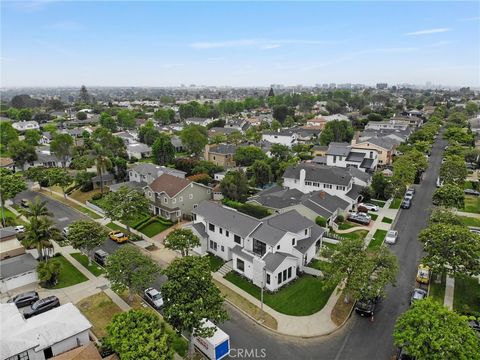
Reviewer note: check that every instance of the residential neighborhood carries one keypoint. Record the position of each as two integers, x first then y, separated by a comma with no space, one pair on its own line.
334,220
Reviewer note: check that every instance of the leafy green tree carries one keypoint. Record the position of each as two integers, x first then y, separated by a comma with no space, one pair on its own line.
449,195
11,184
280,152
147,133
194,137
32,137
126,119
166,116
25,115
81,115
206,167
247,155
7,134
129,269
442,215
82,162
48,271
382,187
280,113
182,240
163,152
38,233
36,209
62,147
365,274
21,153
374,117
471,108
453,170
139,334
190,296
234,185
86,235
430,331
84,179
458,118
458,135
336,131
59,177
262,173
108,122
451,248
125,205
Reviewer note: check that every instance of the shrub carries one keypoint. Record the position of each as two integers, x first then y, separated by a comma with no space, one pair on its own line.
97,196
321,221
340,218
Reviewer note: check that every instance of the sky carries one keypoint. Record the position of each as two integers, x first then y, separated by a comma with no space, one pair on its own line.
155,43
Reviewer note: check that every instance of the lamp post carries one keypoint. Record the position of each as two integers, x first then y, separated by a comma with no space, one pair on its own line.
261,291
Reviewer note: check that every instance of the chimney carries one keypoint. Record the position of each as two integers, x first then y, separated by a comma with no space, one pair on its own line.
302,176
322,194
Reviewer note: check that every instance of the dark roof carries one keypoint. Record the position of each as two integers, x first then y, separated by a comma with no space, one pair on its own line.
322,160
223,149
319,173
200,229
273,260
339,149
7,232
366,163
304,244
280,199
355,156
355,192
17,265
289,221
325,201
169,184
359,174
237,250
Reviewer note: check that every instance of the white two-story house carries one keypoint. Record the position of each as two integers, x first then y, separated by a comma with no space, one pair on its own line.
146,173
270,252
282,137
345,155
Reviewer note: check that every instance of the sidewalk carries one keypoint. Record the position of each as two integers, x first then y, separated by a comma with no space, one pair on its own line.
468,214
449,290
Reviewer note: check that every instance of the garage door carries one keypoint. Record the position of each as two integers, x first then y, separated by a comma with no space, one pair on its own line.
18,281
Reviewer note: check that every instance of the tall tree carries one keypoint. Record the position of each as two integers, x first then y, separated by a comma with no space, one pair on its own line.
108,122
48,271
39,232
194,137
429,331
139,334
163,151
62,147
7,134
11,184
280,113
261,172
451,248
125,205
22,153
453,170
336,131
442,215
102,163
32,137
247,155
449,195
183,240
234,185
59,177
86,235
83,96
190,297
129,269
36,208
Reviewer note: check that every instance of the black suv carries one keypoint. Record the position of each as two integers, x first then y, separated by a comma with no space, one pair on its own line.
366,307
100,257
42,306
24,299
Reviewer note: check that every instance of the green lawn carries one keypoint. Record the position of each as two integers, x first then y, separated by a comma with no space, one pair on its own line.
437,291
346,225
359,234
466,298
153,227
88,212
373,216
114,226
387,220
469,221
472,204
215,262
468,185
395,204
377,239
305,296
379,203
95,269
69,274
319,265
329,245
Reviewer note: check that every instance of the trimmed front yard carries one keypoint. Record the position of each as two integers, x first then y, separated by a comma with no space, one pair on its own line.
472,204
466,296
470,221
99,309
113,226
347,225
387,220
373,216
304,296
395,204
69,274
215,262
437,290
95,269
359,234
377,239
154,226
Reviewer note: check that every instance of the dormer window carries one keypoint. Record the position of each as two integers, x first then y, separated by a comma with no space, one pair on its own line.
306,231
293,242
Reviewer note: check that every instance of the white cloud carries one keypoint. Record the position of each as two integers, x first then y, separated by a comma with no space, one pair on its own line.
428,31
258,43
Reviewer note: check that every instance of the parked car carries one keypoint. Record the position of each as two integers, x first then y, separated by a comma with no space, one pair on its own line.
409,195
24,299
423,274
42,306
24,203
65,231
402,355
418,294
411,189
360,218
475,230
391,237
100,257
153,297
475,325
369,207
118,236
366,307
471,192
439,182
19,228
406,203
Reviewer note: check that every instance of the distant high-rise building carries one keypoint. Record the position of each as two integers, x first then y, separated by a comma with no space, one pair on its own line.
382,86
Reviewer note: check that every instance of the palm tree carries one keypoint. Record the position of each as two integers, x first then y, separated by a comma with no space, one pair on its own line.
39,233
36,208
102,162
48,272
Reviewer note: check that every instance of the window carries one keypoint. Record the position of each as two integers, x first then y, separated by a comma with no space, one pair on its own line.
223,248
190,196
220,230
293,242
179,213
180,198
174,201
21,356
268,279
327,186
306,231
213,245
214,158
278,247
259,247
211,227
334,159
308,183
237,239
240,265
316,184
195,206
165,200
279,278
194,216
289,272
340,187
284,275
227,234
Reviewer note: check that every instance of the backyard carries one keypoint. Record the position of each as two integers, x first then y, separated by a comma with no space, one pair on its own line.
472,204
377,239
69,274
94,268
466,298
304,296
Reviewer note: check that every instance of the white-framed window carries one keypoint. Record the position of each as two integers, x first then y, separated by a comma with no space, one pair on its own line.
165,200
308,183
180,198
179,213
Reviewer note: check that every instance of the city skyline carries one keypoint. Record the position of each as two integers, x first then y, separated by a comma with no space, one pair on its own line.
160,44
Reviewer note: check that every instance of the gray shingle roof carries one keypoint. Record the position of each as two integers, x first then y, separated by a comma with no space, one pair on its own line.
339,149
305,244
355,192
280,199
289,221
319,173
237,250
273,260
7,232
268,234
200,229
17,265
359,174
223,149
356,156
325,200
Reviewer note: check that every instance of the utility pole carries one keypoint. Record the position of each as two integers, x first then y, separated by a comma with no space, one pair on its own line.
261,292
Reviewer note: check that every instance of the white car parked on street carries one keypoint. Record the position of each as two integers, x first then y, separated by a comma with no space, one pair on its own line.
391,237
